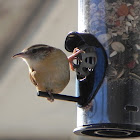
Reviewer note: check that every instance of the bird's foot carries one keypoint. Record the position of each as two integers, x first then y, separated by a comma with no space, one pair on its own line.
51,98
76,51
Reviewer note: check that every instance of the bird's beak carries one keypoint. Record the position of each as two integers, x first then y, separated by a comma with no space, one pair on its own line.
22,55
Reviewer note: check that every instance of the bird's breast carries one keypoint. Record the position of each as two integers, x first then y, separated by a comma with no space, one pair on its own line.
52,74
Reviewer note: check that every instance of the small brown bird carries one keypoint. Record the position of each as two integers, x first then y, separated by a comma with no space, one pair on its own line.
48,67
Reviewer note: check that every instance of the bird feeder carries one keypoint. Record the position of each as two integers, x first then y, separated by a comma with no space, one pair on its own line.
114,110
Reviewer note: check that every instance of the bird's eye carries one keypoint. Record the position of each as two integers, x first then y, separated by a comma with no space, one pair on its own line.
34,51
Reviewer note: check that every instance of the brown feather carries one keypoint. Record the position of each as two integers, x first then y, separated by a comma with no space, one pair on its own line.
32,79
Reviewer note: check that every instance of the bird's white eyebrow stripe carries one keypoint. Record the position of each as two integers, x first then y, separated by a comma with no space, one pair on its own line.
38,47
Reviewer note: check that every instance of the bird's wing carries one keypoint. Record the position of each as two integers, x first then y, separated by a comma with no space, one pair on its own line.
32,78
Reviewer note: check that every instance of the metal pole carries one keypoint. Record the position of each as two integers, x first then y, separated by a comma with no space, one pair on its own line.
114,112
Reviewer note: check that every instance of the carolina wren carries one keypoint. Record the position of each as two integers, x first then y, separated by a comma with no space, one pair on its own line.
48,67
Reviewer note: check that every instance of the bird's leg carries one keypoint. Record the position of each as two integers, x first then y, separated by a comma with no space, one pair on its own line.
76,51
51,98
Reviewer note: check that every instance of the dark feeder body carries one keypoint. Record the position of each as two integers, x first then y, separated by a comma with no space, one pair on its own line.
114,110
90,66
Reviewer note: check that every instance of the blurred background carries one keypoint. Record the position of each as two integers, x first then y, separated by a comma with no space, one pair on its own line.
23,115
